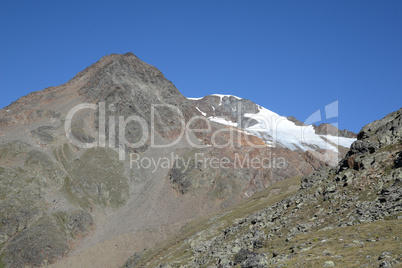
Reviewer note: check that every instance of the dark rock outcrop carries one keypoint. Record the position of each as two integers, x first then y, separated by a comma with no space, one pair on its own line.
296,121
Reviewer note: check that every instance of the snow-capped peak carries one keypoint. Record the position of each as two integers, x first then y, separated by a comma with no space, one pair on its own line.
275,130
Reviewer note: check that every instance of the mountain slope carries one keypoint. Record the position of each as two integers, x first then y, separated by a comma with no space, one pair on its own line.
349,215
71,193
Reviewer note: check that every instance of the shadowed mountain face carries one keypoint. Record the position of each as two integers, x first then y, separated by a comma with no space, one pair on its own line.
345,216
60,199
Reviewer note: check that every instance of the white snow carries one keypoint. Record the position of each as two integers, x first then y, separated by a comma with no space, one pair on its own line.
204,114
278,131
345,142
218,95
222,121
284,132
8,110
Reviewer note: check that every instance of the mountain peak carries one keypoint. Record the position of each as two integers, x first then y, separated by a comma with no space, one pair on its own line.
129,56
122,73
121,79
128,59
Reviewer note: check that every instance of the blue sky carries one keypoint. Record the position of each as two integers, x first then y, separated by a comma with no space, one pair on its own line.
292,57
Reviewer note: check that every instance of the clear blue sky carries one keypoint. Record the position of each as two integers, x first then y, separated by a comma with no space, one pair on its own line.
292,57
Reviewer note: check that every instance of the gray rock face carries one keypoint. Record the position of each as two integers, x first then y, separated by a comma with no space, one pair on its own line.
389,128
250,259
229,107
380,135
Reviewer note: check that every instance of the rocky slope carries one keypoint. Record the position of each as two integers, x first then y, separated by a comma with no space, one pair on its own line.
346,216
66,205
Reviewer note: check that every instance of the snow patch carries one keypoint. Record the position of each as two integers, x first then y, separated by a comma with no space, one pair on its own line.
342,141
222,121
204,114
